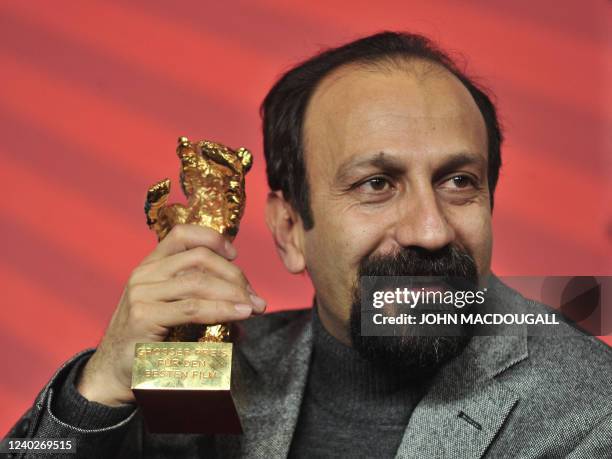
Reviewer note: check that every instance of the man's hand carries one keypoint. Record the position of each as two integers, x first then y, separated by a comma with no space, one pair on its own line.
188,278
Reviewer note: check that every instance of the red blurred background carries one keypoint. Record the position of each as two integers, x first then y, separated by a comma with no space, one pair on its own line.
94,94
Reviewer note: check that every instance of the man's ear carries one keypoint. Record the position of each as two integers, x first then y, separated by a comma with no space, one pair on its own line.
287,231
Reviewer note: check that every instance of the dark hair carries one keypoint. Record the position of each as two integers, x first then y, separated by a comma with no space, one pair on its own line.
283,109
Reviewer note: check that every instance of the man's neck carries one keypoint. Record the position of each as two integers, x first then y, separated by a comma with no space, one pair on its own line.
334,325
340,378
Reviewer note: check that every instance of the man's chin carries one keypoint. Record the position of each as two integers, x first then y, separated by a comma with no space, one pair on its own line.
416,357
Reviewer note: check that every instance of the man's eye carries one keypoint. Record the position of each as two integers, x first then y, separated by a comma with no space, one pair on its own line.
375,184
461,182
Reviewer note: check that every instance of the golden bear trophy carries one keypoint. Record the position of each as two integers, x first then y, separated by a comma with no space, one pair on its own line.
183,384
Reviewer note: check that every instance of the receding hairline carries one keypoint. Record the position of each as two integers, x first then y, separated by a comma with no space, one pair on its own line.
415,66
419,67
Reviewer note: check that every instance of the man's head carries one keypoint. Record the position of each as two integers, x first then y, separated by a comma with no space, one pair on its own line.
378,148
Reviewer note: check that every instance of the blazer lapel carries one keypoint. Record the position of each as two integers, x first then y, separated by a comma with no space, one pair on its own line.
268,383
466,406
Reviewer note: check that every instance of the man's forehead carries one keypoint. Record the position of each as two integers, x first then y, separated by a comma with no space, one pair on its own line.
413,81
357,109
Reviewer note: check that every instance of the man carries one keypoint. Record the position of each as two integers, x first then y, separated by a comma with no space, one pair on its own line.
382,158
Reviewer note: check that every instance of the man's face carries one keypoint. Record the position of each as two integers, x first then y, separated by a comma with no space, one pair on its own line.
396,158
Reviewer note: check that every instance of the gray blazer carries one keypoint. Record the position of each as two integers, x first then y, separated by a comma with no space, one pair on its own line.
521,396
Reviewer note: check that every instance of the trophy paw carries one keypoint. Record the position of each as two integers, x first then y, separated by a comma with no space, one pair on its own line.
246,158
156,199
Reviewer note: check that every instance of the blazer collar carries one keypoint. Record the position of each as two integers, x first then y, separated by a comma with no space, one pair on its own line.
268,382
459,415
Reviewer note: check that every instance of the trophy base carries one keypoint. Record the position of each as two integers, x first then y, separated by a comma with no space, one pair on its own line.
185,387
188,411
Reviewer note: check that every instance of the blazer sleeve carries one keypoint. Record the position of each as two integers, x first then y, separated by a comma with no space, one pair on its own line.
60,411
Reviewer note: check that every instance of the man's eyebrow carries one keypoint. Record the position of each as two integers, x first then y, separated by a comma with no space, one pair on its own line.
395,166
380,160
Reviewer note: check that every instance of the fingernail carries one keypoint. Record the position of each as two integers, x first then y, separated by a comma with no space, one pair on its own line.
243,309
230,250
258,301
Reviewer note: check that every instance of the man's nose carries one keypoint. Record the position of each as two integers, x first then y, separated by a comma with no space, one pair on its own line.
422,223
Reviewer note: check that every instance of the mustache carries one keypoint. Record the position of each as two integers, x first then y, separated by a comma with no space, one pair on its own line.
449,261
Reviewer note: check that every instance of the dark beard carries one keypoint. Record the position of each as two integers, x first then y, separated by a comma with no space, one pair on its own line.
417,356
